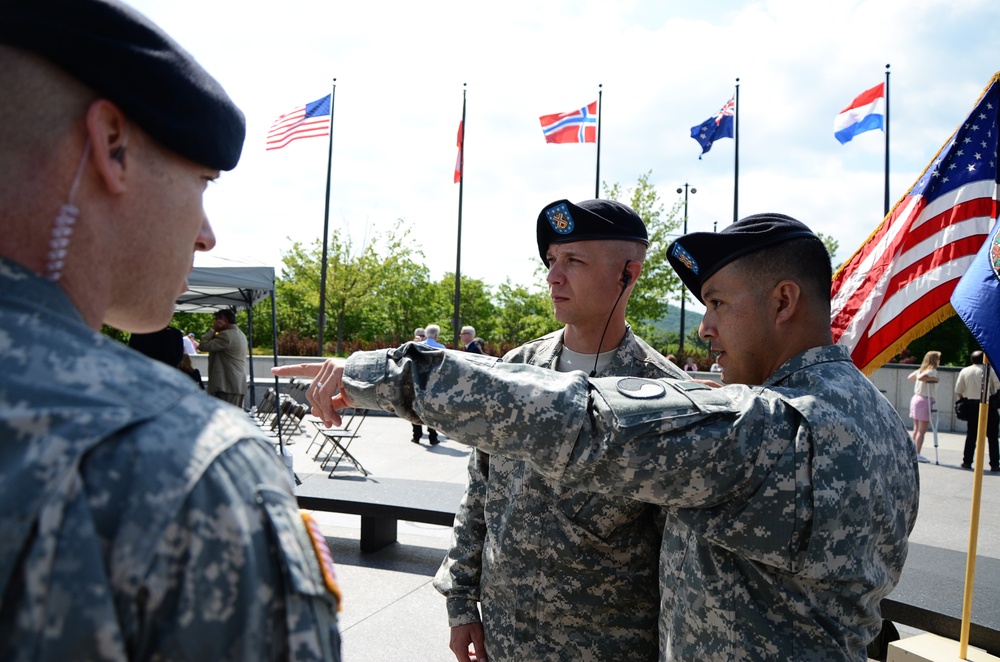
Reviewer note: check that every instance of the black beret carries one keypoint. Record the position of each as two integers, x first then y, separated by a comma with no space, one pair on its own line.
127,59
698,255
562,222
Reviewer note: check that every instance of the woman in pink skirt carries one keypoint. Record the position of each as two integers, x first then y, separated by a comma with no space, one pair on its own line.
921,403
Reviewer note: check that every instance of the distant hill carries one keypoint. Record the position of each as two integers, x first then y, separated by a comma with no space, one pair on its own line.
672,322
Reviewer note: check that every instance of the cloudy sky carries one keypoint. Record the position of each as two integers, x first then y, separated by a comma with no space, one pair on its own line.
665,66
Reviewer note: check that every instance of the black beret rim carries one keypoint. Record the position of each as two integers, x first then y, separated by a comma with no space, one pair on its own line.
698,280
542,222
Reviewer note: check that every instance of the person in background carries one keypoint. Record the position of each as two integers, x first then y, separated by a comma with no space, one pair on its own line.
468,338
715,367
790,492
968,385
480,343
188,368
189,346
140,519
419,335
922,402
431,333
165,345
227,358
690,365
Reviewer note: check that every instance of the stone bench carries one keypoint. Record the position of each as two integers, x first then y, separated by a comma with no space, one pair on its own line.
930,594
381,503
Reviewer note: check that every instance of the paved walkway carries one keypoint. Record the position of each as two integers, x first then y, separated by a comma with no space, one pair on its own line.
392,612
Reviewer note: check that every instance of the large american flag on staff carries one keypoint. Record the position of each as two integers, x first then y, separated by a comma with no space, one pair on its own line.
897,286
309,121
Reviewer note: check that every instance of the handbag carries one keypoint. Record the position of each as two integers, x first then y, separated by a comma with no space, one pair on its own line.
965,409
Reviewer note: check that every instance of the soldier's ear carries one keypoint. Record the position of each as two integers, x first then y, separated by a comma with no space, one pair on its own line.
786,296
107,128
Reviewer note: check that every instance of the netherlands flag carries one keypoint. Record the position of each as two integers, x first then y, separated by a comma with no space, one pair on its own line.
866,113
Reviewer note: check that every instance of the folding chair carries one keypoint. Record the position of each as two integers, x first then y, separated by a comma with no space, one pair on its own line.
266,405
291,421
341,440
323,439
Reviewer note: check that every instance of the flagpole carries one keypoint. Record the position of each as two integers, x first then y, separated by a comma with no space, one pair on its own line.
977,493
326,227
885,206
736,165
597,185
457,320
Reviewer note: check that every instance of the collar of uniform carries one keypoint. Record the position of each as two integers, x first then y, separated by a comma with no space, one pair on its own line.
810,357
26,288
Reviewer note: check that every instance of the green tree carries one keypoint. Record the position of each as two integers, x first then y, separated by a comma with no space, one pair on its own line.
476,307
658,282
832,245
522,314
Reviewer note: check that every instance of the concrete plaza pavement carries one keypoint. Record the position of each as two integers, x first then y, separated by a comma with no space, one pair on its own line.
392,612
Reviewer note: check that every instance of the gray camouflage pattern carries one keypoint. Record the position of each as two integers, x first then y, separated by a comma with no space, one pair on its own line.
142,519
560,574
790,504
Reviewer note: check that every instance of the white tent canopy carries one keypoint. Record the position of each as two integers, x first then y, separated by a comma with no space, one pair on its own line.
221,283
217,283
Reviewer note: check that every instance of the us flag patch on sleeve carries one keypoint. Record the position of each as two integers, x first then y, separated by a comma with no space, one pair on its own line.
324,557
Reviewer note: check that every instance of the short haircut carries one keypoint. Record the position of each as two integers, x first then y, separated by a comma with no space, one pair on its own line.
419,331
977,357
227,314
470,330
805,261
619,250
432,331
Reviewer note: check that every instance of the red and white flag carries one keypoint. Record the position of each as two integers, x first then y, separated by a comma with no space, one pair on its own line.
458,162
897,286
576,126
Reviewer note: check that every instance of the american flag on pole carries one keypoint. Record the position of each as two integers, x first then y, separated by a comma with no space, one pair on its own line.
897,286
576,126
309,121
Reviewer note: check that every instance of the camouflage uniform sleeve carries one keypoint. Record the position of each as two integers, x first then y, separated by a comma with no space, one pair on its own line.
603,435
460,573
236,574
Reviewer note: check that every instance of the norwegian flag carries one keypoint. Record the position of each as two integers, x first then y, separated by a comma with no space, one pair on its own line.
309,121
897,286
576,126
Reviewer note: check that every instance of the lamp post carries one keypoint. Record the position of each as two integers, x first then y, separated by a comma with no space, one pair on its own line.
680,344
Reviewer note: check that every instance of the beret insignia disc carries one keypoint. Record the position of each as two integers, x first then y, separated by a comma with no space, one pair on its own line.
560,218
684,257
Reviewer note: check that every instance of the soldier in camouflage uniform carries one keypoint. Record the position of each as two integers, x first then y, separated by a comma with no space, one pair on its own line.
559,573
141,519
792,490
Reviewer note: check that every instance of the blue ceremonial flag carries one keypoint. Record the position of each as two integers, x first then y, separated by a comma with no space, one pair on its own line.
720,125
976,298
